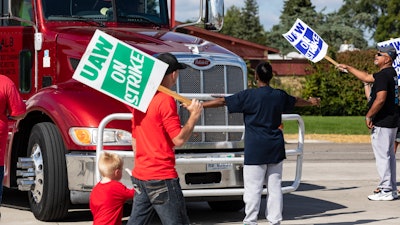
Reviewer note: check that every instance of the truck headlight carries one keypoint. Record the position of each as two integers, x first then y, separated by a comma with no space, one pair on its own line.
88,136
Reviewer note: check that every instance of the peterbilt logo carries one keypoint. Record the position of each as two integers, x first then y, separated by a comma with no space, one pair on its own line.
201,62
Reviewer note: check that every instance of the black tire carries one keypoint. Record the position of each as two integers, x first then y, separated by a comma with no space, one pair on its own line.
227,206
49,196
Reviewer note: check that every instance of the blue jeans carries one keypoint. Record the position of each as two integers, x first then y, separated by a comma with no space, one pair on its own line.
162,196
1,182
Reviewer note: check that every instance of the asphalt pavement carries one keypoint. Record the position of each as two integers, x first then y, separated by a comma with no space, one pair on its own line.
336,180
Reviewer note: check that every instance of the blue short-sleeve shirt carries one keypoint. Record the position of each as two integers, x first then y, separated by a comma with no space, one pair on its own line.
262,110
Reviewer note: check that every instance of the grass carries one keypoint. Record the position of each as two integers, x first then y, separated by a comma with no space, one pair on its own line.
348,125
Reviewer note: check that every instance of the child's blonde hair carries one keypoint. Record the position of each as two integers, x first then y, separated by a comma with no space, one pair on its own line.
108,163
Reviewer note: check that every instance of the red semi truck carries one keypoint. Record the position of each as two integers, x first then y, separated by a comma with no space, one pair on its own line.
51,153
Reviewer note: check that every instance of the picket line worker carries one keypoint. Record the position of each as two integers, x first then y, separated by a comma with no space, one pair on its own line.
155,133
382,118
264,149
11,107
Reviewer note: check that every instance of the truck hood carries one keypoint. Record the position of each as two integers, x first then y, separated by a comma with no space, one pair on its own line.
150,41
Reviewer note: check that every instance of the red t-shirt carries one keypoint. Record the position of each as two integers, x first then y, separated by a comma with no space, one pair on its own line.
11,104
154,131
107,202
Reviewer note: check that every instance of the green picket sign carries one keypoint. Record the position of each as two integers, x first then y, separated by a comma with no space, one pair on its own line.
120,71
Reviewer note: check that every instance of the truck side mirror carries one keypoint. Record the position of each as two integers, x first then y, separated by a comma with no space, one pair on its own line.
214,18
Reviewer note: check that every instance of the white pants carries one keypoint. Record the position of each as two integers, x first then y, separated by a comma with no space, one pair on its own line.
254,177
382,140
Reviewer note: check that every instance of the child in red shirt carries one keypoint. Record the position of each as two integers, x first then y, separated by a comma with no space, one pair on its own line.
109,195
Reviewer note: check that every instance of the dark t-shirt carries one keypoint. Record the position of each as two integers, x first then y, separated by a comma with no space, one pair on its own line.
262,110
385,80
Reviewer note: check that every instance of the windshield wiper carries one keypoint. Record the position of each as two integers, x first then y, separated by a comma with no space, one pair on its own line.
88,20
144,19
80,18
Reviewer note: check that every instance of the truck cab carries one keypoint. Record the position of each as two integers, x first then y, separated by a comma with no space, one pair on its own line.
51,153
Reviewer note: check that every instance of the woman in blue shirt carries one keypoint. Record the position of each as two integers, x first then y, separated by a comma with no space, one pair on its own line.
264,149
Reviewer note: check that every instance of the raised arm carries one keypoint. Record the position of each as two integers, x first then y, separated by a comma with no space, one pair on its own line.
312,101
217,102
195,109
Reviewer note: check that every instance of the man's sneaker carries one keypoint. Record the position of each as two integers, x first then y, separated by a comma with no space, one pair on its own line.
381,196
395,195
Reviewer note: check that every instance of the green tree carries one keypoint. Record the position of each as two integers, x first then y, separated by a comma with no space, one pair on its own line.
364,14
244,23
232,22
292,9
341,94
334,28
389,25
251,29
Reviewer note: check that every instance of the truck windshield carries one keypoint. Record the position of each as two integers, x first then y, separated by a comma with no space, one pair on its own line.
134,11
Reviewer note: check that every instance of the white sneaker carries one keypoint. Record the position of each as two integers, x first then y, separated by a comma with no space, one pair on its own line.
381,196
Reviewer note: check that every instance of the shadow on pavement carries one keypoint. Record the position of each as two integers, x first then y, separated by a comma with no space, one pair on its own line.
304,186
296,208
355,222
15,199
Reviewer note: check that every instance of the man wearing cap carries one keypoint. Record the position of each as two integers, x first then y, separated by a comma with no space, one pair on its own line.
382,118
155,134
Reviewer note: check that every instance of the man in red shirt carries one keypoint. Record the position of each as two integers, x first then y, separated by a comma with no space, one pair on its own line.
155,133
11,107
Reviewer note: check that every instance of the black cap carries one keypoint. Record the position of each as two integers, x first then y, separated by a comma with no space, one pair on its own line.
390,50
171,61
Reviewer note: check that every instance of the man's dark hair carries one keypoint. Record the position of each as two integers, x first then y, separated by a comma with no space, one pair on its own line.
264,72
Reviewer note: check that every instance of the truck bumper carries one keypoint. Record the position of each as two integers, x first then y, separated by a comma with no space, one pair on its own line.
207,174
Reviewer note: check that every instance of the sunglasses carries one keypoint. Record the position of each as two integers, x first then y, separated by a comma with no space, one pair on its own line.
380,54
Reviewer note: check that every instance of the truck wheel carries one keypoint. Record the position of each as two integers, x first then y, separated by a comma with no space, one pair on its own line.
49,196
227,206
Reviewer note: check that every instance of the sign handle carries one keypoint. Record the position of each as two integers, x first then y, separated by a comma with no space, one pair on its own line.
333,62
174,95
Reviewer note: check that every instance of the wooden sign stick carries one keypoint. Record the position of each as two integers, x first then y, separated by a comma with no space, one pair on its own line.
174,95
333,62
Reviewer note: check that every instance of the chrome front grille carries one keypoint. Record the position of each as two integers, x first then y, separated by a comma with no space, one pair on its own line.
218,79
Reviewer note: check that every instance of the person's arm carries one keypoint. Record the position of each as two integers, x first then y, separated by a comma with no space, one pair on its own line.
376,106
217,102
16,107
312,101
195,109
367,90
363,76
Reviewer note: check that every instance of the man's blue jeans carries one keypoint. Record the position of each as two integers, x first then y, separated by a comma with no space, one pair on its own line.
162,196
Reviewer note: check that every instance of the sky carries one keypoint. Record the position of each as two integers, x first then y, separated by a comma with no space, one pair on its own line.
269,10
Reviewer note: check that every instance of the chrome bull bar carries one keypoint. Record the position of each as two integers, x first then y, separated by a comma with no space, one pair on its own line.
298,153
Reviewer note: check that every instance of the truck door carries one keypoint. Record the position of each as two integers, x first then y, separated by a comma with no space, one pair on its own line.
16,44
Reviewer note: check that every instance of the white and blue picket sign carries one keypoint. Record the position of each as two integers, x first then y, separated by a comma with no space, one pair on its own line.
306,41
